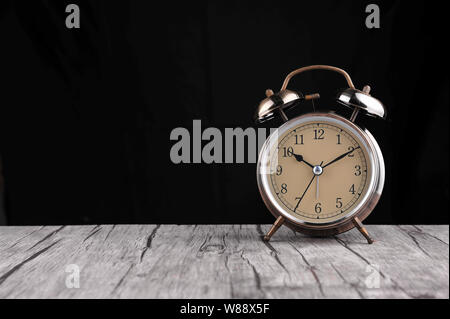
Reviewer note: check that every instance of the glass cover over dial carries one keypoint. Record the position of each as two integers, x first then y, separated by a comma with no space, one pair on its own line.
319,172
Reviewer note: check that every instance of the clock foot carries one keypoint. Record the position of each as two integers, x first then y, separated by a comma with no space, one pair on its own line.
363,230
274,228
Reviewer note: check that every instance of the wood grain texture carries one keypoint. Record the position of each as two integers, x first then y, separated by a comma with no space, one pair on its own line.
222,261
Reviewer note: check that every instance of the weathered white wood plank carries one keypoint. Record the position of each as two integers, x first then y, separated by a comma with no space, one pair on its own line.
222,261
439,233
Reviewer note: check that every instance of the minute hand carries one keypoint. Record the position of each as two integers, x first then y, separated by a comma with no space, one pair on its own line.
340,157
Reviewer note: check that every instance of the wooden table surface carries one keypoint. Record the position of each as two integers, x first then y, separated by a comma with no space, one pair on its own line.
221,261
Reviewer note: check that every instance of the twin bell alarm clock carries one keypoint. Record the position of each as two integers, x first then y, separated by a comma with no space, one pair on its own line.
320,173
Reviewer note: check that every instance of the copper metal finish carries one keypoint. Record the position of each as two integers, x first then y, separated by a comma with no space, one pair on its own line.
347,222
363,230
358,100
366,90
361,101
280,220
312,96
317,67
269,92
287,99
276,103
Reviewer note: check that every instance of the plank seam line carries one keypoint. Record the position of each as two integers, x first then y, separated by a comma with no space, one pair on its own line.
23,237
120,282
344,244
110,231
310,268
47,237
420,231
351,284
273,251
7,274
255,273
149,242
396,285
94,231
414,239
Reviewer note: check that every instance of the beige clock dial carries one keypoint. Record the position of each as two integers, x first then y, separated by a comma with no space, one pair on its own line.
320,171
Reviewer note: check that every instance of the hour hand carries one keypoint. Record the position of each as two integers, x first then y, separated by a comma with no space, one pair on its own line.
300,158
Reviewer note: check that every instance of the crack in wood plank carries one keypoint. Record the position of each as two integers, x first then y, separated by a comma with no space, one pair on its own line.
310,268
344,244
47,237
421,231
396,285
148,245
94,231
235,264
273,251
207,239
414,239
437,238
120,282
351,284
207,247
23,237
257,277
109,232
223,241
230,280
7,274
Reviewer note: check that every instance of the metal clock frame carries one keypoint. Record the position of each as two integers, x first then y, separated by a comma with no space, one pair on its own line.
361,102
355,216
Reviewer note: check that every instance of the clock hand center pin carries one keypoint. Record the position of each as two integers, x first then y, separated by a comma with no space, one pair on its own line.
317,170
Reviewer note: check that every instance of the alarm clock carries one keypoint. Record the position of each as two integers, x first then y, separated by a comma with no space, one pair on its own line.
320,173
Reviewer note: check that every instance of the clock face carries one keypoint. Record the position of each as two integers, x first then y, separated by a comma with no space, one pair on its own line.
320,170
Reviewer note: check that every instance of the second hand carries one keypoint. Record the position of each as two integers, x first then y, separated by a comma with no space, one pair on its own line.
307,187
317,186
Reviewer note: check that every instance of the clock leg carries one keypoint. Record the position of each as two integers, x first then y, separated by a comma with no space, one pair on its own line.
274,228
363,230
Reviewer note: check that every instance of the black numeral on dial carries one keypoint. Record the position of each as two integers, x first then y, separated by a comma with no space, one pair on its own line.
351,148
279,170
338,202
318,134
299,139
318,208
352,189
288,151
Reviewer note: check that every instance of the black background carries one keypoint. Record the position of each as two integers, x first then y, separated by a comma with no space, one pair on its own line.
85,114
